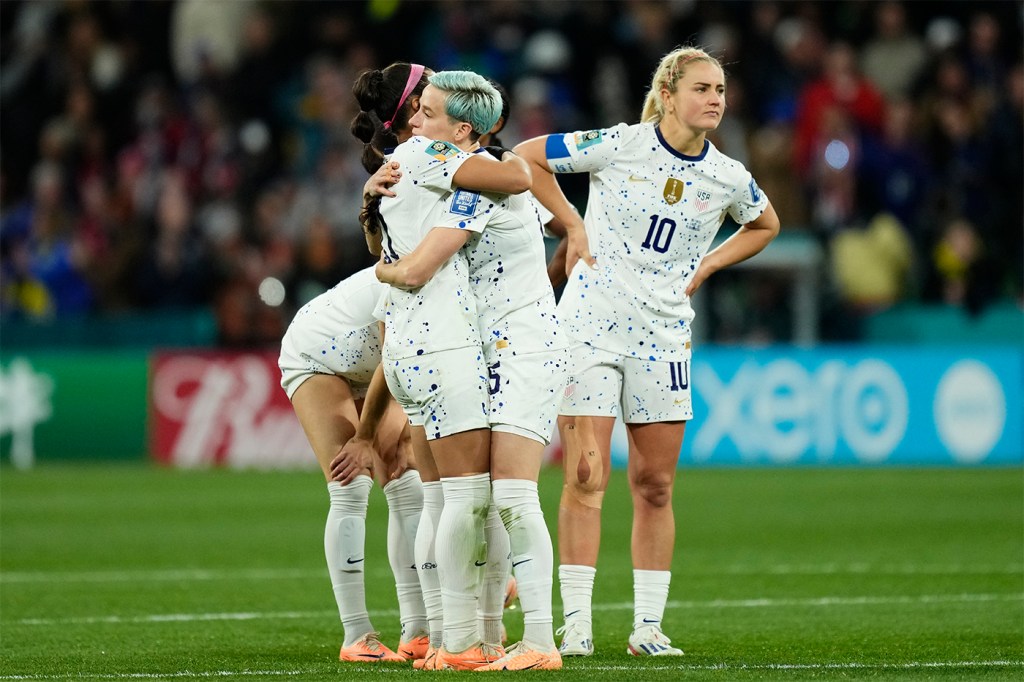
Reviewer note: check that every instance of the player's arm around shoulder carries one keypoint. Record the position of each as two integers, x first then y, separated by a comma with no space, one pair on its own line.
746,242
482,173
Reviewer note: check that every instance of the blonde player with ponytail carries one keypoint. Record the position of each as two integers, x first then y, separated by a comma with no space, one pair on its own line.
659,191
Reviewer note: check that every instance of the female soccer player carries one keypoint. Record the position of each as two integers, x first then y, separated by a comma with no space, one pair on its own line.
525,355
328,356
659,191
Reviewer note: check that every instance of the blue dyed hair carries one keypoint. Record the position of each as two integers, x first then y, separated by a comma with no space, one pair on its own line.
469,98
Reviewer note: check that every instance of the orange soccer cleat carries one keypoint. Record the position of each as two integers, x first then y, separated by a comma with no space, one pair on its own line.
369,649
415,648
472,658
428,661
522,657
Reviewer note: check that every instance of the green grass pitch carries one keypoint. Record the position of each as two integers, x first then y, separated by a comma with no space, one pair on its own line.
128,572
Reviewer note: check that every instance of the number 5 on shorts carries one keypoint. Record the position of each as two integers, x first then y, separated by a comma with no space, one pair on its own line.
495,378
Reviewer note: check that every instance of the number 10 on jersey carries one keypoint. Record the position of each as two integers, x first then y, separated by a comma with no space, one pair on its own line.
659,234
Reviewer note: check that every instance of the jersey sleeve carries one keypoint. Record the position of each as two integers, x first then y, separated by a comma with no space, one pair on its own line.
433,163
750,201
465,209
583,151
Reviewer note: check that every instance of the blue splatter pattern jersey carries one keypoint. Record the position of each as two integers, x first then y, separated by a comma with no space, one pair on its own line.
440,315
651,215
507,268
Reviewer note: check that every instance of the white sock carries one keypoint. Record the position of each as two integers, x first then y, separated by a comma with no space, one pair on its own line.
577,587
650,592
532,556
491,606
344,539
426,559
460,555
405,506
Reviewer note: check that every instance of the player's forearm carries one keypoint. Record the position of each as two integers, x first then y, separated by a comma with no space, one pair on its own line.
416,269
481,173
545,186
374,406
402,274
748,241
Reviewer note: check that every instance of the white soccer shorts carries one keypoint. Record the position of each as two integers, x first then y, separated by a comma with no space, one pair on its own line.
307,350
602,383
445,391
526,390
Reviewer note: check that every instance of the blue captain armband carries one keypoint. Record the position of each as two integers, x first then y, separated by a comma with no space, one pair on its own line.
554,147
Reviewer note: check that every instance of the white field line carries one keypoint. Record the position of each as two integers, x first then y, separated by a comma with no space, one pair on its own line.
613,606
575,666
168,575
197,574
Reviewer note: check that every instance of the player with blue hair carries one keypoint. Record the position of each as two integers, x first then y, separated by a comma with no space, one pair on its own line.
525,353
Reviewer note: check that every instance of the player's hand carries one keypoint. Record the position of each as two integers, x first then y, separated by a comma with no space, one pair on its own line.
379,184
397,464
398,459
578,249
381,269
700,275
355,458
498,152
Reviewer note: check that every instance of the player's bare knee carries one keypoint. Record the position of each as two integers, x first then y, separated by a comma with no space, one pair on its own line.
655,491
585,495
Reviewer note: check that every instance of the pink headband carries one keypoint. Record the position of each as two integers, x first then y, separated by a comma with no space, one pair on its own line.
415,71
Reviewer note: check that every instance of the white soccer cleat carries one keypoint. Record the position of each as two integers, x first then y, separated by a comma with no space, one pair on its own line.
649,640
577,639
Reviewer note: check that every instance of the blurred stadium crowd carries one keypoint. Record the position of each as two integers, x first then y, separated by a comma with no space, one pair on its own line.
161,154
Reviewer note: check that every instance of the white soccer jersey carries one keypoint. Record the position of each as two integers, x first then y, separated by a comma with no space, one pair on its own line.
507,267
335,333
651,216
441,314
545,217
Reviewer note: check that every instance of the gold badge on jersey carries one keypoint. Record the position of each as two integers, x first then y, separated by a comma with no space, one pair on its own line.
673,191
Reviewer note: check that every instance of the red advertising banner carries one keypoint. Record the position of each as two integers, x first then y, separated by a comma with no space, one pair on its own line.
223,409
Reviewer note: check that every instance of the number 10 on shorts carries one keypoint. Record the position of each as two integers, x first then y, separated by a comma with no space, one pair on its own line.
680,375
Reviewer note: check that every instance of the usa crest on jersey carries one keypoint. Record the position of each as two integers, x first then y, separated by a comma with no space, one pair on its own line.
703,200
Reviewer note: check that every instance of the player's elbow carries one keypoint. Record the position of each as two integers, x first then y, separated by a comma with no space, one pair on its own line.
768,222
521,181
414,276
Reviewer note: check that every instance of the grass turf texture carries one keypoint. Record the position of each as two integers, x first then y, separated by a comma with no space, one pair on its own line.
132,572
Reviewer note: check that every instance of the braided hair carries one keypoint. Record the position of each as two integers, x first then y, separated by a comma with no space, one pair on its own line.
381,109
